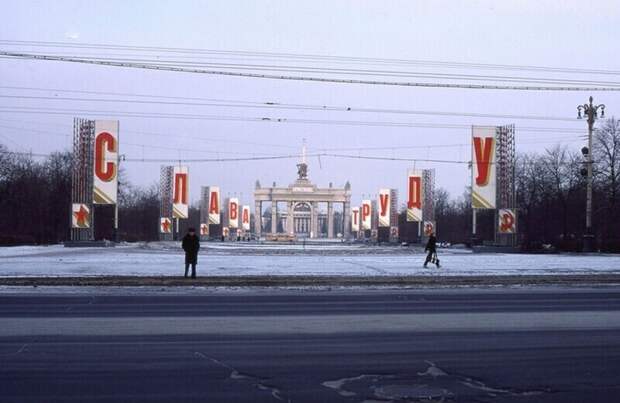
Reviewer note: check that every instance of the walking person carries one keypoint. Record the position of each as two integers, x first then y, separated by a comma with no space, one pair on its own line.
191,245
431,248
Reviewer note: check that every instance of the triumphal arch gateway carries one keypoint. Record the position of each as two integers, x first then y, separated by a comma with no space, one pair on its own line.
302,217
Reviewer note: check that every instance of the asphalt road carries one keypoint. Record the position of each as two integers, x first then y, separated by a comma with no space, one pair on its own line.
479,345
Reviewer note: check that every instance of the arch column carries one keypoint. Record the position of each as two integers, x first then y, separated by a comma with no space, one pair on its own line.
274,217
290,229
258,218
330,219
346,219
314,220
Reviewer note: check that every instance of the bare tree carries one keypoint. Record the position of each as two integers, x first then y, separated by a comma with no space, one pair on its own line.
561,169
606,153
529,187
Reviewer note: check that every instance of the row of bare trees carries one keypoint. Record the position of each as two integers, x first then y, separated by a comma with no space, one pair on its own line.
35,200
550,188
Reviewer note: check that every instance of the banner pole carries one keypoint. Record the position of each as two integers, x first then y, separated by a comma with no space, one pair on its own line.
473,226
115,235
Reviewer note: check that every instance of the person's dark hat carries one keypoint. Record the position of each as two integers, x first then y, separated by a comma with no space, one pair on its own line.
191,229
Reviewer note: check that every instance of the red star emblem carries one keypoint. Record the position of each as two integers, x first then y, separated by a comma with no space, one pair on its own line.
165,225
81,217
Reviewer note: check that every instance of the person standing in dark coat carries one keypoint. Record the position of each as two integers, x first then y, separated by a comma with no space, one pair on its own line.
191,245
431,248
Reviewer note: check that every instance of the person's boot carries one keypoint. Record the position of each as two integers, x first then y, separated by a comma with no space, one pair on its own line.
193,271
186,270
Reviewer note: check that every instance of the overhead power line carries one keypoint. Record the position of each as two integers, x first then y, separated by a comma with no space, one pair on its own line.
399,147
196,52
153,115
32,56
285,106
267,158
142,145
343,71
257,158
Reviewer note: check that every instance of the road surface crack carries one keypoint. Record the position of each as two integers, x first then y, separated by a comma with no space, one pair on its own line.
23,348
258,382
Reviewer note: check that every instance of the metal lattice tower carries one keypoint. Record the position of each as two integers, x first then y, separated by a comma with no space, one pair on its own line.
82,174
428,204
165,206
506,194
204,204
393,207
506,167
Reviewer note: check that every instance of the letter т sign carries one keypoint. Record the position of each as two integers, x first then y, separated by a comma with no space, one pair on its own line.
355,219
105,162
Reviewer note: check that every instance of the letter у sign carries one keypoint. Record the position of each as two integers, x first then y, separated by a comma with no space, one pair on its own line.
384,207
105,166
483,182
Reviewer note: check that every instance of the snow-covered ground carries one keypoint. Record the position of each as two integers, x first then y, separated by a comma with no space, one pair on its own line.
253,260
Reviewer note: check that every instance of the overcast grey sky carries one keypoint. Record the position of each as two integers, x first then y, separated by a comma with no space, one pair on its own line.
567,34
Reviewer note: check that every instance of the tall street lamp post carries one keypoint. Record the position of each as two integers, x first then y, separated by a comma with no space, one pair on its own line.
591,113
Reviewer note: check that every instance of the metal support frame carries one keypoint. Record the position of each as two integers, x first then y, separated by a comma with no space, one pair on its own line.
82,175
428,203
165,206
506,194
428,206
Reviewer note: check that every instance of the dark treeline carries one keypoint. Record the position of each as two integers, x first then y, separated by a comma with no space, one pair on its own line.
35,201
551,199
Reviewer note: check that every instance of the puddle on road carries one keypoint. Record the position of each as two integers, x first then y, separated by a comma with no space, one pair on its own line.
432,385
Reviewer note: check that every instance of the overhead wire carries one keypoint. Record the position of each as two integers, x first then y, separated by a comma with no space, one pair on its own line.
92,112
343,71
193,52
272,157
287,106
32,56
129,143
319,150
175,134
